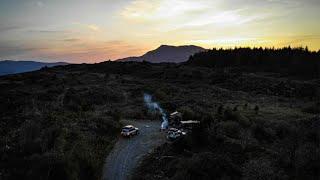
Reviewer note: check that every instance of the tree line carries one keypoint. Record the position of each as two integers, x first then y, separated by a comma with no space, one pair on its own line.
300,62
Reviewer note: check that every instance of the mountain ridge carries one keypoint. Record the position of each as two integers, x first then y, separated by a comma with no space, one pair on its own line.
166,53
20,66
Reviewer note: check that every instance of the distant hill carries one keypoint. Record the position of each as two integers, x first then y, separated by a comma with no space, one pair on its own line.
165,53
13,67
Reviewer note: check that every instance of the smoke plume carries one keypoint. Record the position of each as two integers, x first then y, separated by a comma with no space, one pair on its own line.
155,107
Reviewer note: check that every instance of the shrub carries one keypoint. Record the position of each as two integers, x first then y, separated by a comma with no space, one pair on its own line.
187,113
29,137
259,169
220,110
283,129
106,126
116,115
229,128
160,95
207,119
229,115
263,134
206,165
256,109
312,109
236,116
307,161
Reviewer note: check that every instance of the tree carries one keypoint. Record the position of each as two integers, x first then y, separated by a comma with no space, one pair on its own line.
256,109
220,109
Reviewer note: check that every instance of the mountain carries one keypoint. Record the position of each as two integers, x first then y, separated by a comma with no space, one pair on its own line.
165,53
13,67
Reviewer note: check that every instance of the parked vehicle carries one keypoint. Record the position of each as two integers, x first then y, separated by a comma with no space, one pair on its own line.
174,134
129,131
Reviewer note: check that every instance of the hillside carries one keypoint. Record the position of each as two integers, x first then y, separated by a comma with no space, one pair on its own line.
61,122
14,67
165,53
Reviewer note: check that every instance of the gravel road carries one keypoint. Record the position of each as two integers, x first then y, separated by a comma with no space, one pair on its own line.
128,152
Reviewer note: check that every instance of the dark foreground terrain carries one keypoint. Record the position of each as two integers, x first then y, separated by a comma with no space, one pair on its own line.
62,122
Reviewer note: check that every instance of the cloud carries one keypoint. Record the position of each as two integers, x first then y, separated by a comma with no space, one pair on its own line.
11,49
168,15
94,27
232,40
96,51
49,31
223,18
147,10
82,51
5,28
40,4
72,40
91,27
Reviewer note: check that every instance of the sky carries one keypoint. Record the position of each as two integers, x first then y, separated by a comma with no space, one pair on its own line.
92,31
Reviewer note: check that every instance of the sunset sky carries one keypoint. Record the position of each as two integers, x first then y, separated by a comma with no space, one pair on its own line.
97,30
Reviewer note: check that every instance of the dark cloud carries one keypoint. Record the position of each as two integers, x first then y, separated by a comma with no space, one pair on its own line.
4,28
8,49
48,31
72,40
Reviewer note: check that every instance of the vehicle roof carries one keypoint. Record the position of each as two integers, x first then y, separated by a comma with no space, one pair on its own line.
190,122
128,126
174,113
173,130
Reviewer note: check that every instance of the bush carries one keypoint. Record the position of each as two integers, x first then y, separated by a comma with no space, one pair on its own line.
29,137
160,95
312,109
263,134
187,113
307,161
236,116
220,110
106,126
230,129
205,166
86,98
283,129
116,115
259,169
256,109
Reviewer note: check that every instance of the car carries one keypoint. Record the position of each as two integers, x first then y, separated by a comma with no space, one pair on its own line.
174,134
129,131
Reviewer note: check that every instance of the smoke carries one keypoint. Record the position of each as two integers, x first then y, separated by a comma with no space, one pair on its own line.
154,107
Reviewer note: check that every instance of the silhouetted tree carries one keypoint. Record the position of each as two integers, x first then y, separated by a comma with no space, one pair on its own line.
292,61
256,109
235,108
220,109
245,106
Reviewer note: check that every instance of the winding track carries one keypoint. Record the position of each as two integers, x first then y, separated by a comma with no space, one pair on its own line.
128,152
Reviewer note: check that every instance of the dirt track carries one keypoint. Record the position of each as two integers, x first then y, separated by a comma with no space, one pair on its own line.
128,152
